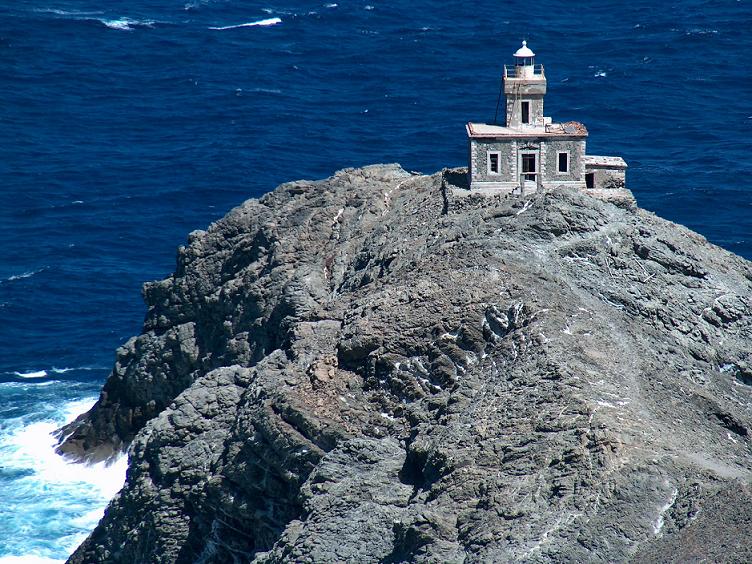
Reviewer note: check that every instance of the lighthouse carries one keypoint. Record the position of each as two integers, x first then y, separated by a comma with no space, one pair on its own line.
524,89
529,151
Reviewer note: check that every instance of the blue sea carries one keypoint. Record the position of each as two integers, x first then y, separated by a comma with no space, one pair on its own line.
126,125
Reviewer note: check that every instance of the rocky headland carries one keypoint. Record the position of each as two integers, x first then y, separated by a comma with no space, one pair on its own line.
369,368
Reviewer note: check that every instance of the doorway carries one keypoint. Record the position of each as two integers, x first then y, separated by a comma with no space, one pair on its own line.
525,110
590,180
529,167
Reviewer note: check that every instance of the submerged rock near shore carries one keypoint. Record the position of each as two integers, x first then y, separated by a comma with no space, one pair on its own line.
370,369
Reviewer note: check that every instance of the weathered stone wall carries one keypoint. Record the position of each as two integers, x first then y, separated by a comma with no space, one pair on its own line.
479,149
550,164
608,178
514,111
547,155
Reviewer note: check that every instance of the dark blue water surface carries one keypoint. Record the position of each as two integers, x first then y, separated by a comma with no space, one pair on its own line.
125,125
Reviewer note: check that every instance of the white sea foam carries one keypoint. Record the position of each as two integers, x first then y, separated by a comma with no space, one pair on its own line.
33,448
56,370
23,275
123,24
29,559
64,500
117,24
266,22
126,24
27,385
34,374
58,12
75,408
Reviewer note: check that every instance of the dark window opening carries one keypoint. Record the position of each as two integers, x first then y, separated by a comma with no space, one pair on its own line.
493,163
528,166
563,162
525,112
590,180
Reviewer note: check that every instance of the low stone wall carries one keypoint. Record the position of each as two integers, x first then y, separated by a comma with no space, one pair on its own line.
607,178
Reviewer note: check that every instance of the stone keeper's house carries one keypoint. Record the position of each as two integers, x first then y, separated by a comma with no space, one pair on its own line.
530,151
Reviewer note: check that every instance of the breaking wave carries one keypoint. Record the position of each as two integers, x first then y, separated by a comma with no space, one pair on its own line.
44,373
265,22
119,23
126,24
64,500
33,374
23,275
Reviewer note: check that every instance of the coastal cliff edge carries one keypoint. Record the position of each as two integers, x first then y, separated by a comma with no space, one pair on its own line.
367,369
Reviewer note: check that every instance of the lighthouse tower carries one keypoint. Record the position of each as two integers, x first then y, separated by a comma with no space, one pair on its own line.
524,89
530,152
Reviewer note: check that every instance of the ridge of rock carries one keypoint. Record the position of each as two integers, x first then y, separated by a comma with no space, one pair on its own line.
364,369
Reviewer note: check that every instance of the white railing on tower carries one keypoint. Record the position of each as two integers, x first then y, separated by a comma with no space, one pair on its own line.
523,71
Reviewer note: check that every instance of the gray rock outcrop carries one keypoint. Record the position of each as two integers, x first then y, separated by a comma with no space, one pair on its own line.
368,369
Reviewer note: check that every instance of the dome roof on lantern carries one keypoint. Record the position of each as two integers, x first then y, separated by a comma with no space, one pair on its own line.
524,51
